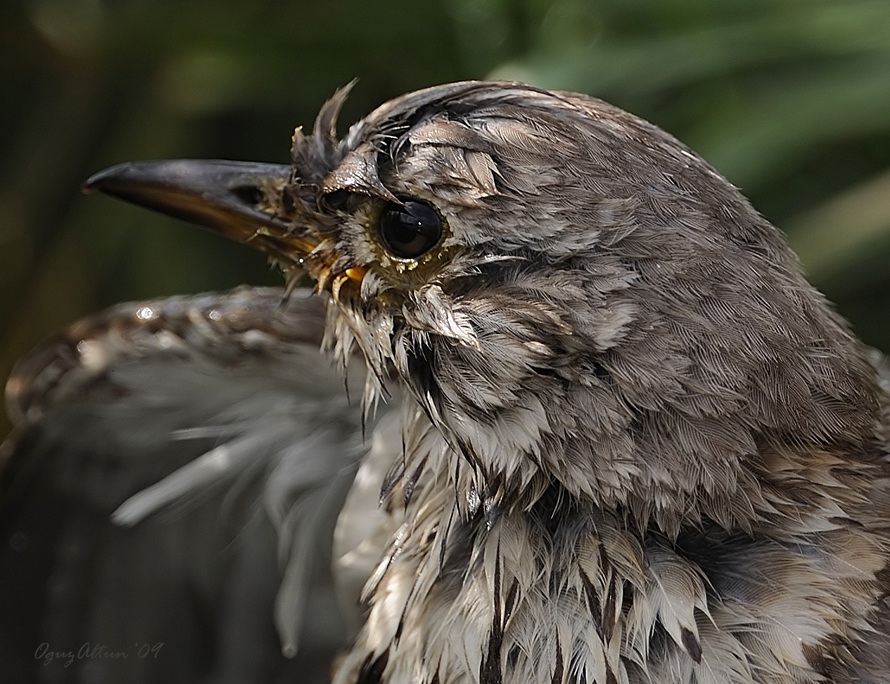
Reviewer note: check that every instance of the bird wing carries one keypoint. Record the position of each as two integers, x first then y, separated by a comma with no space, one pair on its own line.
173,479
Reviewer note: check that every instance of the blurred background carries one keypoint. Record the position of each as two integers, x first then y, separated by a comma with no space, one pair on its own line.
790,99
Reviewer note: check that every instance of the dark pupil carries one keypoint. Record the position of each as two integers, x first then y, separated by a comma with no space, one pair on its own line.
409,230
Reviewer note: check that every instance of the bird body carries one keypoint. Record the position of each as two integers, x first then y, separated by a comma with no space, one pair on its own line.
635,444
657,457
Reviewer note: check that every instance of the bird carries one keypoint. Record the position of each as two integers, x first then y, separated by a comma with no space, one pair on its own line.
597,427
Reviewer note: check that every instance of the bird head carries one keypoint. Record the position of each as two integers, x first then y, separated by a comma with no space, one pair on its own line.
574,298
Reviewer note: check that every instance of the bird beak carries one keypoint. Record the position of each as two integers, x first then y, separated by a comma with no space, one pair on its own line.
244,201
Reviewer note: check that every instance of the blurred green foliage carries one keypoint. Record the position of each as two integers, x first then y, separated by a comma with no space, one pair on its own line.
790,99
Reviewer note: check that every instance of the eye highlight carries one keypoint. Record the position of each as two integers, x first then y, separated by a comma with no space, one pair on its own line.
409,230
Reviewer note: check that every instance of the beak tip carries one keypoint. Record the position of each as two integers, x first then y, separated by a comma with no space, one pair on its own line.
92,184
99,181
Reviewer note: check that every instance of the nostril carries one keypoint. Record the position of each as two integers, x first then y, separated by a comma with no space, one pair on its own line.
249,194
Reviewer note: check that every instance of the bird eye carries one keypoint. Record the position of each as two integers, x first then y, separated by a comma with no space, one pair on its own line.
409,230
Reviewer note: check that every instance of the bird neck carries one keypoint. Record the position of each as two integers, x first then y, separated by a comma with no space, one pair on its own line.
561,589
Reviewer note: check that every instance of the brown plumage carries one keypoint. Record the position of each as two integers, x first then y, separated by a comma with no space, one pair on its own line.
633,444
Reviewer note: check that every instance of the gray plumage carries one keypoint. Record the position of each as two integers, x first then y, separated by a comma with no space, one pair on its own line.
635,445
